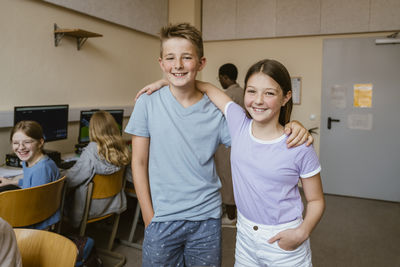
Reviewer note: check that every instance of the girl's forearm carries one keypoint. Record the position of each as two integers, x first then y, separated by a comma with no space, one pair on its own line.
216,95
314,212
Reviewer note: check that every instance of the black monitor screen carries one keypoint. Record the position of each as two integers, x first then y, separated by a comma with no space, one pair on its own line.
52,118
118,115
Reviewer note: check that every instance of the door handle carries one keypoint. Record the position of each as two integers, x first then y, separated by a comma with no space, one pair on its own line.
330,120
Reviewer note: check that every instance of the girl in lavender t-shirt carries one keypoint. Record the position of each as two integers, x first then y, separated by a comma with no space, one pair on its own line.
270,229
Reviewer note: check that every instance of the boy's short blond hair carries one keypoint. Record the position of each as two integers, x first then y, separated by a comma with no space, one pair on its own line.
183,30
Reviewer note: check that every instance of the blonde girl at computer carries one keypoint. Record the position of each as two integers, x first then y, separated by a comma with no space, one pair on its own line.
27,143
270,229
105,154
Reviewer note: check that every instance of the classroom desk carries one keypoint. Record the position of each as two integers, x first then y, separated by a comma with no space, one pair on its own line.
11,173
8,171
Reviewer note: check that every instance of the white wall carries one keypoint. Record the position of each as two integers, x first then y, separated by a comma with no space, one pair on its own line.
107,71
301,55
146,16
185,11
243,19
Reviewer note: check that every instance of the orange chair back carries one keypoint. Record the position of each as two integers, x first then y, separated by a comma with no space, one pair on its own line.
45,249
28,206
105,186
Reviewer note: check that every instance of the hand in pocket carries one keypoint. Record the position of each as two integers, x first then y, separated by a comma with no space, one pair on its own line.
289,239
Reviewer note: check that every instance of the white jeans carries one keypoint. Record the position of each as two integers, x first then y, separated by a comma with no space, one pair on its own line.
253,249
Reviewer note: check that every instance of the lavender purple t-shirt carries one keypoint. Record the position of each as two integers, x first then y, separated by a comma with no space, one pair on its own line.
266,173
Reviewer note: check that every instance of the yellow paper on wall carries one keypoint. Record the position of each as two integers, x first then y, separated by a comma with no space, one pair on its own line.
363,95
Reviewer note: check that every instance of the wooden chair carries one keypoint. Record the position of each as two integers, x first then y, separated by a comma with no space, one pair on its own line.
105,186
24,207
45,249
130,191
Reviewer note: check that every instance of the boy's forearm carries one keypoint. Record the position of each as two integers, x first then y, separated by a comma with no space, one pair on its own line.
140,157
142,188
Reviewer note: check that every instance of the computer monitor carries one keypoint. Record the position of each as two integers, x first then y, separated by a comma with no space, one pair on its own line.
52,118
83,138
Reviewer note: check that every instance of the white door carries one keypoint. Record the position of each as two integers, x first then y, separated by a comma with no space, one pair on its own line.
360,153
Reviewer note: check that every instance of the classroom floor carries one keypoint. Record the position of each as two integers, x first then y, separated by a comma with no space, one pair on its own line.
353,232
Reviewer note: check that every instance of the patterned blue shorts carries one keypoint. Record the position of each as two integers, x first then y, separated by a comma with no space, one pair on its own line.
182,243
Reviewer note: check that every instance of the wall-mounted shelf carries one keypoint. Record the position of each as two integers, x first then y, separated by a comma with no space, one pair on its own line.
80,35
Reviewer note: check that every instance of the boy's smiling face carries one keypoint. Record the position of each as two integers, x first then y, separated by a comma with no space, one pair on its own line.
180,62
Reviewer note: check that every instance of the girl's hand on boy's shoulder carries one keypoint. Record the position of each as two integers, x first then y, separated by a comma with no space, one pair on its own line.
289,239
298,134
150,88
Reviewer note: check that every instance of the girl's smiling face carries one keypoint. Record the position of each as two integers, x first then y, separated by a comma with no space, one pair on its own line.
264,98
26,148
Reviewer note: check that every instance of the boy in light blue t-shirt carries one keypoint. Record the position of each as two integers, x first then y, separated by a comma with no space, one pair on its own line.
176,132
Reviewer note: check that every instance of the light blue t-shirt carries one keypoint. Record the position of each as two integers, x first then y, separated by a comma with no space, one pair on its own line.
43,172
183,181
